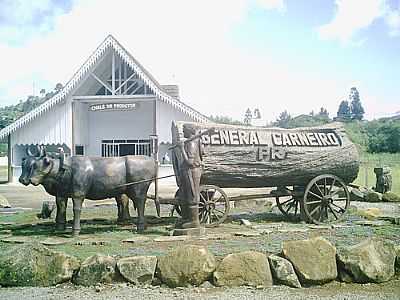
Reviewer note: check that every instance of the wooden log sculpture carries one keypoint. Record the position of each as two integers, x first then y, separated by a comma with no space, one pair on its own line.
245,156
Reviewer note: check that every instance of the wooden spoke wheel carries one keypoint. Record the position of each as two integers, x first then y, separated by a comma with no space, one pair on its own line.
289,205
326,199
213,205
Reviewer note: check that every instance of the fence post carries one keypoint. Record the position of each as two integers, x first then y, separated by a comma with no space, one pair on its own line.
154,152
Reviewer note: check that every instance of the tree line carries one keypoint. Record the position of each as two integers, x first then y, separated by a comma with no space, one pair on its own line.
381,135
10,113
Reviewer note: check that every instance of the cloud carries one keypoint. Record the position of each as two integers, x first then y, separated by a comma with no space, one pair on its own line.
392,20
351,17
20,20
273,4
183,42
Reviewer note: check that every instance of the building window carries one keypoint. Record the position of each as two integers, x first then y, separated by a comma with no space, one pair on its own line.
110,148
79,150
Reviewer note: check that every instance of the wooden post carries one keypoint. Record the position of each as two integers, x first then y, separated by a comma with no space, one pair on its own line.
154,152
72,128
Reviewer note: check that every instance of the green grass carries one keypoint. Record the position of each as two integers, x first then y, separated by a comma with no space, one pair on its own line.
366,175
97,225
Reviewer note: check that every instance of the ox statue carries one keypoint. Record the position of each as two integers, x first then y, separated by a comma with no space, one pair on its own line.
94,178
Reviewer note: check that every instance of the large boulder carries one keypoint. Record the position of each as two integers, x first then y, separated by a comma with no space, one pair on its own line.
186,265
372,196
245,268
314,260
372,260
390,197
283,271
370,213
138,269
35,265
358,194
96,269
4,202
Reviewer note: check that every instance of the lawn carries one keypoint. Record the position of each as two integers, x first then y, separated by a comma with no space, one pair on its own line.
366,175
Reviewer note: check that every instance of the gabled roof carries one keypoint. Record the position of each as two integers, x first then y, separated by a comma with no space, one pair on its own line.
142,73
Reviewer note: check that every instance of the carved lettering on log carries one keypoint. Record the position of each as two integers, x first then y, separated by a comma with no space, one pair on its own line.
270,153
273,137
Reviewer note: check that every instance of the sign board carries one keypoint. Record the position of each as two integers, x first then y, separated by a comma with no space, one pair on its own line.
112,106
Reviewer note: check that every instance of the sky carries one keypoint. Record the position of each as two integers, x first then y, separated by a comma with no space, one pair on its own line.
225,55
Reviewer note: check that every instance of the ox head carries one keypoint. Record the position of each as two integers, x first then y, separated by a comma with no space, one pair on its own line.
35,167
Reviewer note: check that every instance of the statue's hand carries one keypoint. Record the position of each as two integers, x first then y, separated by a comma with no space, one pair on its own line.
190,163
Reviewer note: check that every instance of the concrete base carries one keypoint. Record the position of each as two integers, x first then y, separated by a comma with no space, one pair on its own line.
200,231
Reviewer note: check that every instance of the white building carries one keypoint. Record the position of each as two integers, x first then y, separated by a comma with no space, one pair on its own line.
110,107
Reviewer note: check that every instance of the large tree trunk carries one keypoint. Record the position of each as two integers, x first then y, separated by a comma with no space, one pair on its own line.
243,156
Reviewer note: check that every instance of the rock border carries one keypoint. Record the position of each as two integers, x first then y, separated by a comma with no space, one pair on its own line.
193,265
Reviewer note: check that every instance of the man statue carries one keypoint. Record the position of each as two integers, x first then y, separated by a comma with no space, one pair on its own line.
189,154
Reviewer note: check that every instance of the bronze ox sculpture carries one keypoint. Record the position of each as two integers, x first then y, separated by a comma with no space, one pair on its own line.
94,178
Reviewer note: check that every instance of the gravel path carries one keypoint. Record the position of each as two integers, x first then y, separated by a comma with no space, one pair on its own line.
334,290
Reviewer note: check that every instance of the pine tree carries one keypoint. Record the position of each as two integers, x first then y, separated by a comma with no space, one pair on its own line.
357,111
323,112
58,87
344,112
283,119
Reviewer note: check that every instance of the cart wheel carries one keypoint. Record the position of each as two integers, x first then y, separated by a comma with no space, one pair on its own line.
326,199
213,205
289,206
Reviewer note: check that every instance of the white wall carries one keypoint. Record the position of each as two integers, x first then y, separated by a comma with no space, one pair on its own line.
81,119
166,113
133,124
51,127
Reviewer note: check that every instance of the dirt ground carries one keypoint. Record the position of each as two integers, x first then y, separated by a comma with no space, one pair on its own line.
101,233
333,290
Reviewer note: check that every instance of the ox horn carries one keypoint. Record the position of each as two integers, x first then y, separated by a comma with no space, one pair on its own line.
29,151
36,153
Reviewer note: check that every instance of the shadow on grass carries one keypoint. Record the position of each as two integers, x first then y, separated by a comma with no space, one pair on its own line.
262,217
90,227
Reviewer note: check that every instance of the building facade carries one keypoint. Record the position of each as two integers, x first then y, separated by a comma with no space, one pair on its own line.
110,107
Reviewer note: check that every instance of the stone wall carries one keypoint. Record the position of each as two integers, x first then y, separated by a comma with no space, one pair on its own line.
301,263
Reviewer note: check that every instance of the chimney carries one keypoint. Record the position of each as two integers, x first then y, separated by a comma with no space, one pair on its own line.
172,90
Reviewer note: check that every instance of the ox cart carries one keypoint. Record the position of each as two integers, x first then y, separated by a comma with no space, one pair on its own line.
308,169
